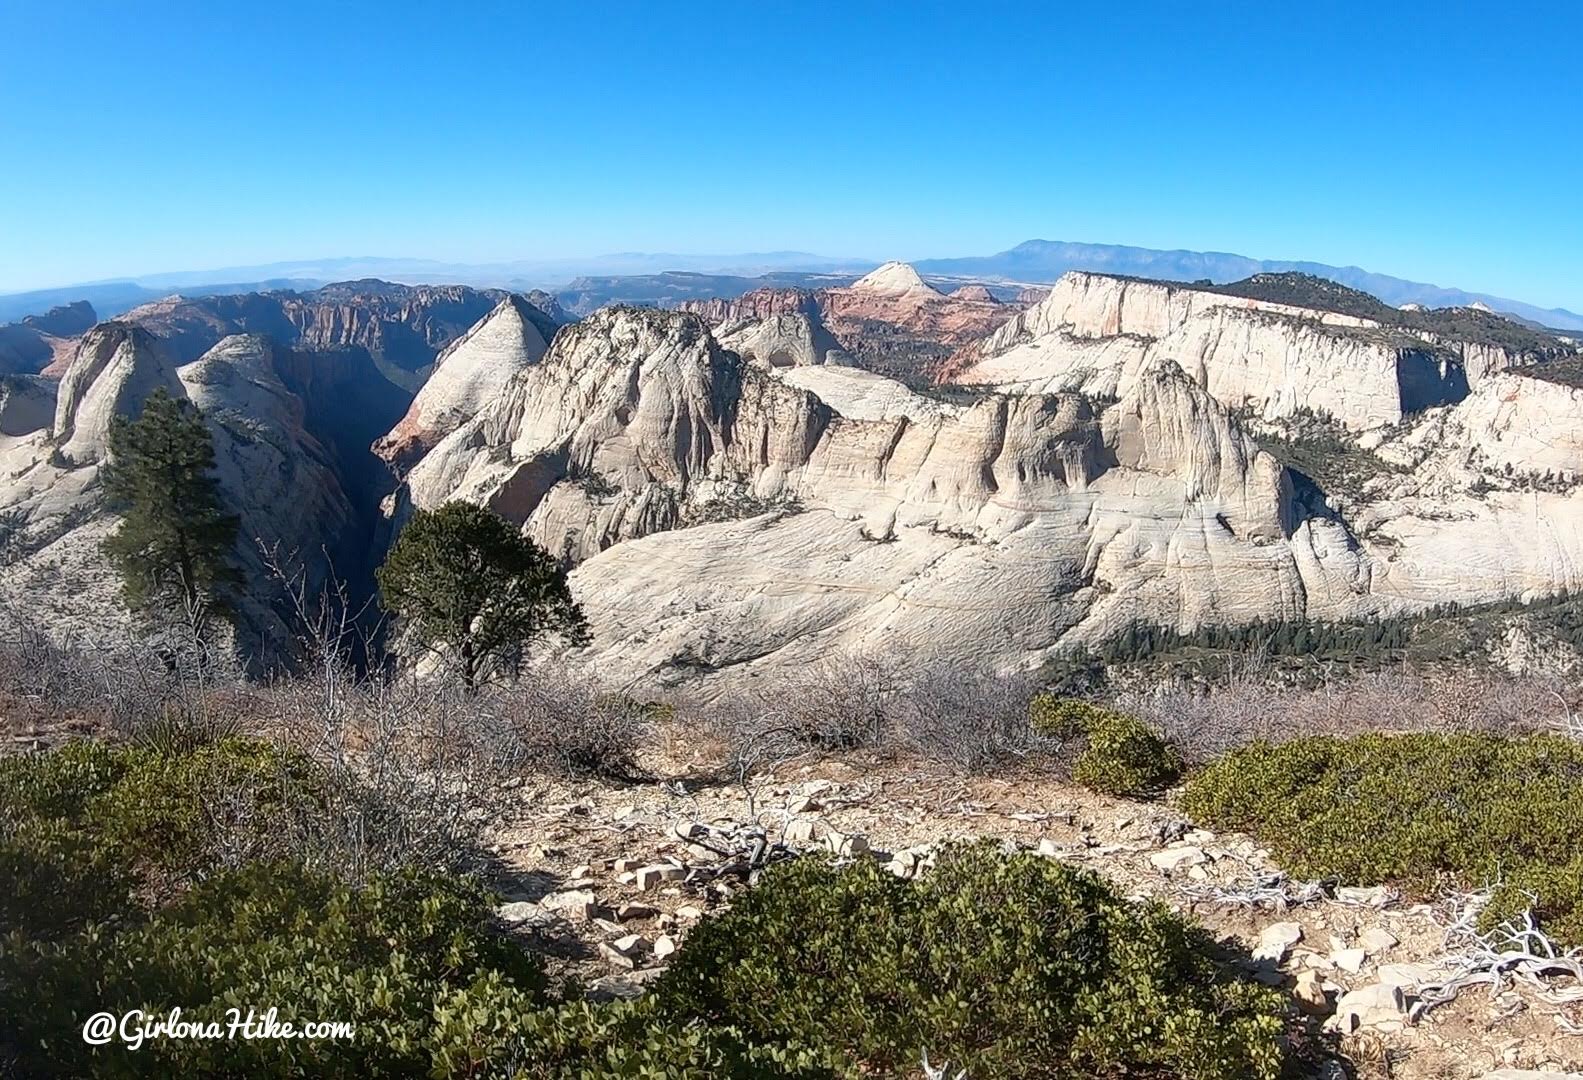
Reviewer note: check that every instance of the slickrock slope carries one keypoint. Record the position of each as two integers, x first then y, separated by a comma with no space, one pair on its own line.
44,343
897,281
470,373
1096,333
758,304
725,516
274,474
117,365
784,341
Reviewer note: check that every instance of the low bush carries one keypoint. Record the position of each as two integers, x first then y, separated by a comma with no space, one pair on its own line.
1416,809
141,823
385,957
136,890
1120,755
1008,966
570,726
973,720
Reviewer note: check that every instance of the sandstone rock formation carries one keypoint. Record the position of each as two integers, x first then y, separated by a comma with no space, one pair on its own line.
470,373
890,321
117,365
277,476
401,327
784,341
44,343
1096,333
728,514
975,293
896,281
725,515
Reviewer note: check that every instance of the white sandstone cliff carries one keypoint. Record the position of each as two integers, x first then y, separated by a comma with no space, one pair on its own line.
1096,333
995,530
469,374
273,474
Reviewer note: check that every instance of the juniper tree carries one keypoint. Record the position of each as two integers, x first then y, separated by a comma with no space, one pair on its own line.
465,582
173,548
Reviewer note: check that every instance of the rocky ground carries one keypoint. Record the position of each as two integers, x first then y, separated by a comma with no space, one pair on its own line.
611,877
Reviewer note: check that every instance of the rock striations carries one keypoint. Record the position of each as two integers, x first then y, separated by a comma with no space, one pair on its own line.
724,515
277,476
1095,334
470,373
728,511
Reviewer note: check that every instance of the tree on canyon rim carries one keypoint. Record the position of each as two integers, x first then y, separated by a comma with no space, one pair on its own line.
173,547
466,583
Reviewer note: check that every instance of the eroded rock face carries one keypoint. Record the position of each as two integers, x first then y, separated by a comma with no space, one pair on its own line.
116,367
471,372
725,514
784,341
1095,333
277,476
401,327
889,321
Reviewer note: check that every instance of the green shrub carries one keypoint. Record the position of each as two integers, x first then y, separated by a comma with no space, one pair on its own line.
1007,966
384,956
1415,809
624,1039
140,823
1121,756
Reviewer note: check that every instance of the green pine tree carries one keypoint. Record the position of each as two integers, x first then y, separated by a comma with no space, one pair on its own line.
467,583
173,549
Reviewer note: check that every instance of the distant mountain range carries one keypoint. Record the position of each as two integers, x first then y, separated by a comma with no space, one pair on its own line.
665,279
1047,260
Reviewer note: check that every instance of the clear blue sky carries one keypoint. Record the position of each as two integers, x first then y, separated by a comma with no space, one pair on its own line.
1434,143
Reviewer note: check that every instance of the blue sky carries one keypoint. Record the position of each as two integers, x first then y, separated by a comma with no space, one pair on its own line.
1434,143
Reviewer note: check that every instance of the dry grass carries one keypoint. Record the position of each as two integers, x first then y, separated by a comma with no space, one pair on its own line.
1249,706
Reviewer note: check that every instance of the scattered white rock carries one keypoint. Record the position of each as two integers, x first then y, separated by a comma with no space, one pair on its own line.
1310,991
1377,1006
1178,858
628,944
1276,940
847,845
650,878
1377,940
1349,960
664,945
1373,896
1408,976
578,904
801,831
520,911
